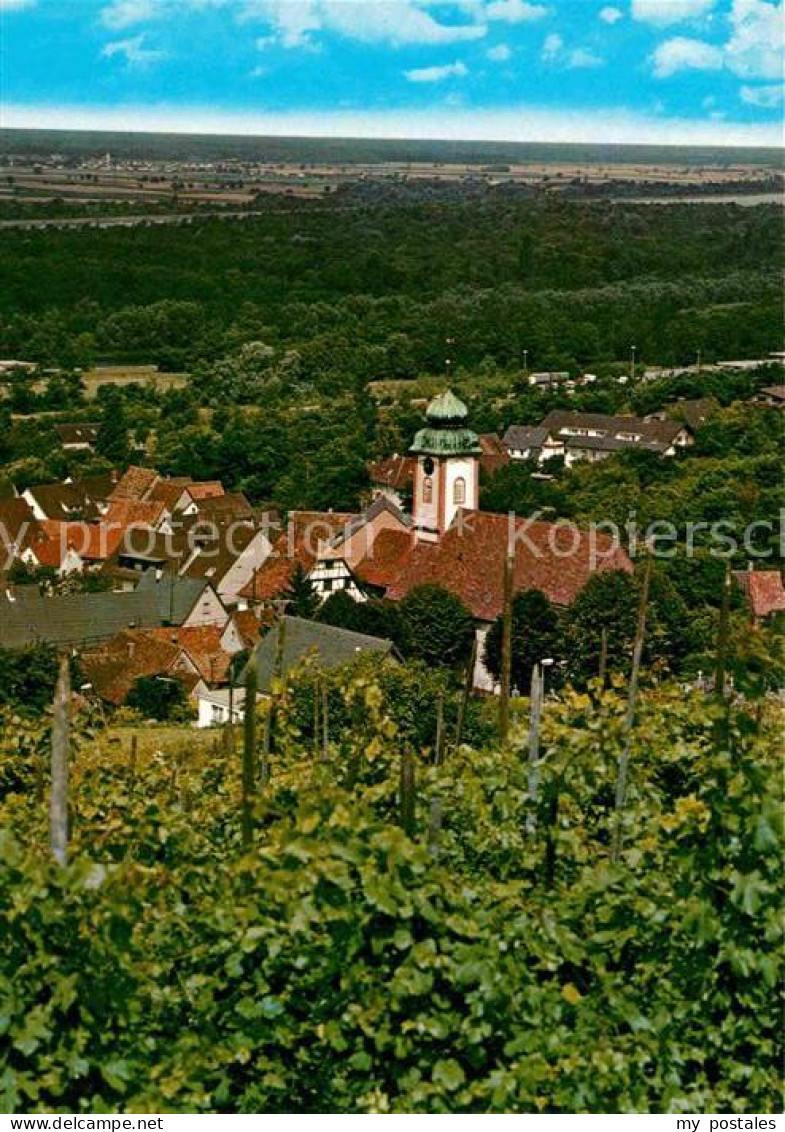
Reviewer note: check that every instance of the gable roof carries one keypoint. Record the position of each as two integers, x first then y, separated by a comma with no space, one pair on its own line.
659,432
206,489
93,542
764,591
521,437
26,616
16,519
469,561
121,661
494,452
135,483
217,557
387,559
330,647
76,434
299,545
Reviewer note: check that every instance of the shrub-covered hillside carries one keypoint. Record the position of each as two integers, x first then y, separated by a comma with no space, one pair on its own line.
357,958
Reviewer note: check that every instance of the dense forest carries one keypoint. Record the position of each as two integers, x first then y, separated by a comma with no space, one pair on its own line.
372,292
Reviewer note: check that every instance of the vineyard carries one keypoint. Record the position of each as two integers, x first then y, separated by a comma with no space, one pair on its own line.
408,930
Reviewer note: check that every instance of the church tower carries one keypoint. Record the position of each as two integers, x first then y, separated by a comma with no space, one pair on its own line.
447,475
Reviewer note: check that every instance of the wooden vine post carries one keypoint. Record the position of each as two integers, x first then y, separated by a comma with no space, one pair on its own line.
720,673
249,753
467,691
534,746
506,672
629,718
407,791
603,656
58,801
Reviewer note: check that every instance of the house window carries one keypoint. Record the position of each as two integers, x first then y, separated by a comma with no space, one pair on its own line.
427,490
459,491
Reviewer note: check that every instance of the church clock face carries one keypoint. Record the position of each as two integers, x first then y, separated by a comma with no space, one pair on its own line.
428,466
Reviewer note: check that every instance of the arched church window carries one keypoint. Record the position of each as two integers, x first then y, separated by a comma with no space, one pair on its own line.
427,490
459,491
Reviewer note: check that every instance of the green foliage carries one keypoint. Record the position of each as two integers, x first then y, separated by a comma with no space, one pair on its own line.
610,601
536,635
27,677
157,697
440,627
302,599
339,963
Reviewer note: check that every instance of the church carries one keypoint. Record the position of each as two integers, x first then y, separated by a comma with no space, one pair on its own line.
447,540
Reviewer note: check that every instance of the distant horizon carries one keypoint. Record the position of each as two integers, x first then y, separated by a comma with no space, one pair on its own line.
198,132
502,128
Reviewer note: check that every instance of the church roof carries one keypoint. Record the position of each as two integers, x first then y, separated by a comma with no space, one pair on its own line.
445,433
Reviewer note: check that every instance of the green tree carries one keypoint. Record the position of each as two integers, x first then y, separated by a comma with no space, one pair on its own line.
157,697
112,441
302,598
536,635
439,625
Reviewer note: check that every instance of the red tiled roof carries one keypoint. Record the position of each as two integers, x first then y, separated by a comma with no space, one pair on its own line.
113,669
16,515
125,512
94,542
764,591
469,561
387,560
396,472
209,489
298,545
494,453
248,625
168,491
135,483
202,643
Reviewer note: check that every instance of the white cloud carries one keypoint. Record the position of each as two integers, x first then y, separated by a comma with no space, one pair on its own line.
16,5
583,57
769,97
524,123
499,54
133,50
754,50
666,12
125,13
437,74
554,51
515,11
611,15
682,54
396,22
552,47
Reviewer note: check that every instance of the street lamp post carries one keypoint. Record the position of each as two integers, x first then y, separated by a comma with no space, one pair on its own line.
449,342
632,366
526,363
546,663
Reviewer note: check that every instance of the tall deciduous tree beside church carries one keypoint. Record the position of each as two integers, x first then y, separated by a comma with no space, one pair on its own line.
536,636
439,624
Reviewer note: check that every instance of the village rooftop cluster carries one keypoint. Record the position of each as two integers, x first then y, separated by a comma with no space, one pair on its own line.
187,577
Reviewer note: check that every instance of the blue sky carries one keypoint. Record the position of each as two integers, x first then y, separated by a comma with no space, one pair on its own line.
584,70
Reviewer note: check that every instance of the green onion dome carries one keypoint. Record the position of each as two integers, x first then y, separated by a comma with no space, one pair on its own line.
446,433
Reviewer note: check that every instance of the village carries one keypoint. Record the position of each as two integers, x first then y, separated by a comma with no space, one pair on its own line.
148,578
